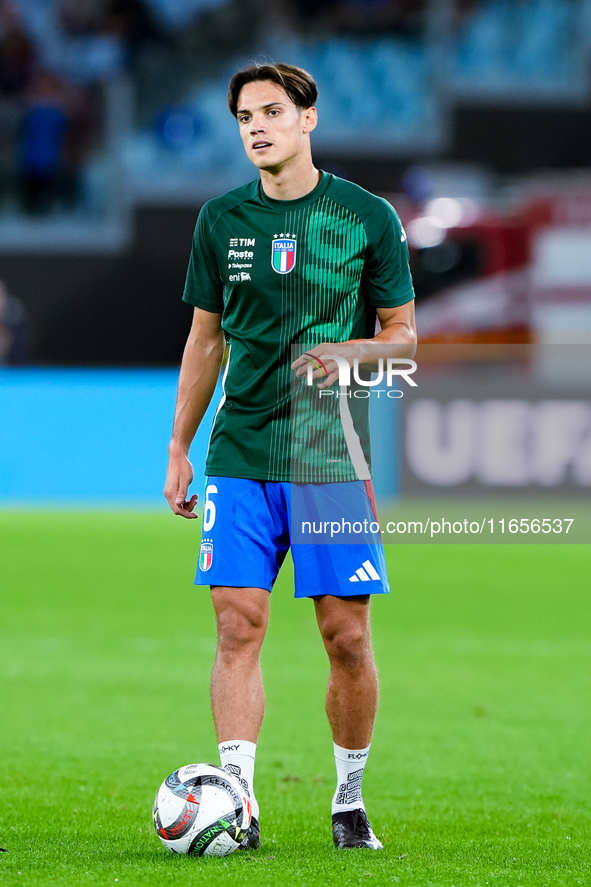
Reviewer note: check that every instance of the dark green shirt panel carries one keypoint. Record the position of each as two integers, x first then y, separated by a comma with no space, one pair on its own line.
203,286
387,261
243,454
387,279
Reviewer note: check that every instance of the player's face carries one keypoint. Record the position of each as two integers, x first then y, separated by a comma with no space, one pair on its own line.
273,130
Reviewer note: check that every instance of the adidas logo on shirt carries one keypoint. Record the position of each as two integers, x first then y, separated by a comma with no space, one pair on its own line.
365,573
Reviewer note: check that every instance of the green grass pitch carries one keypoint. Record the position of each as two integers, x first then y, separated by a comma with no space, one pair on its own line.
479,772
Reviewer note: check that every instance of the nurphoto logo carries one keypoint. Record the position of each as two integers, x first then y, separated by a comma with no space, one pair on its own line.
394,369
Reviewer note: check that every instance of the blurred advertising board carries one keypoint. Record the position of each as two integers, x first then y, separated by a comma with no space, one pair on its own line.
495,447
485,418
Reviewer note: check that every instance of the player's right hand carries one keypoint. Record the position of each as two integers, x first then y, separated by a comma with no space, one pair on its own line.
178,479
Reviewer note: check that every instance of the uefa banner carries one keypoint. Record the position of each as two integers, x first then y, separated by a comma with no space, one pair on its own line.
456,444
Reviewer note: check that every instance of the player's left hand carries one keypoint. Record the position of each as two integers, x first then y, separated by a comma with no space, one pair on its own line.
326,371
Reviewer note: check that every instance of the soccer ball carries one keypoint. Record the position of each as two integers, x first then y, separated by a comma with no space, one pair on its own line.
201,810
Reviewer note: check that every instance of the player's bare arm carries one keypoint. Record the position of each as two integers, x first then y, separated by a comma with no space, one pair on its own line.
200,368
396,338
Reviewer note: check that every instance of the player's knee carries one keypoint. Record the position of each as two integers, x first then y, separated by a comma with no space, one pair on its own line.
348,645
239,628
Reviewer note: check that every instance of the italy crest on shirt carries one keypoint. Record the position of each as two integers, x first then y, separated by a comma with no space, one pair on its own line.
283,254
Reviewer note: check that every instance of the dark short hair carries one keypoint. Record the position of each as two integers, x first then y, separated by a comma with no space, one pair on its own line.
299,86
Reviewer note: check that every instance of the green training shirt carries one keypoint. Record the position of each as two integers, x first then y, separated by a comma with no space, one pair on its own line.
287,275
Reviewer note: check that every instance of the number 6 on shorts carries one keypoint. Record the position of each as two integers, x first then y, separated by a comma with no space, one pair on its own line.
209,510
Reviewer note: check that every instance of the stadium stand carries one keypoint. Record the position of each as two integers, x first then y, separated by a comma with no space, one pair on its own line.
394,71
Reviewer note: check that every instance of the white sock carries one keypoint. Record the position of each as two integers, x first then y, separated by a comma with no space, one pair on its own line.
350,763
237,757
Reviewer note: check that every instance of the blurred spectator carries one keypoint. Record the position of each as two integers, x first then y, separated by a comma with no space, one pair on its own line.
14,330
82,55
81,16
364,17
52,143
131,21
404,17
17,54
128,20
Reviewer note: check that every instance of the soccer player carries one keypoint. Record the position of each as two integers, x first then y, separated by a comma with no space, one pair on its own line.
302,258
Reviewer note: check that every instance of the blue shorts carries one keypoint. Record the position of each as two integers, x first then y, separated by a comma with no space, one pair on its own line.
249,526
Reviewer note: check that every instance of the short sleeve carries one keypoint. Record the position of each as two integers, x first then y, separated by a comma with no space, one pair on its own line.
203,286
388,280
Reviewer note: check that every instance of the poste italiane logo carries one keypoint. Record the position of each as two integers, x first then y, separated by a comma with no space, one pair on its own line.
283,253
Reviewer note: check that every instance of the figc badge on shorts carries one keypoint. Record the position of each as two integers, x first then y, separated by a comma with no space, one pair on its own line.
283,254
205,556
